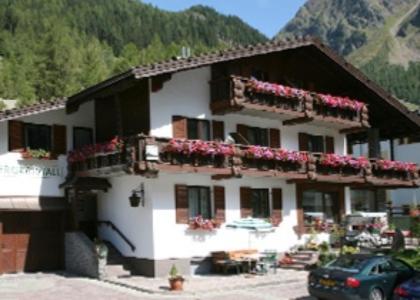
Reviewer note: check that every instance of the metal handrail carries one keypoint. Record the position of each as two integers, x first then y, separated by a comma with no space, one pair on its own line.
115,228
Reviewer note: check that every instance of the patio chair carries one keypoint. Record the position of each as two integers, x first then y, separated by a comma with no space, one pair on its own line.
267,261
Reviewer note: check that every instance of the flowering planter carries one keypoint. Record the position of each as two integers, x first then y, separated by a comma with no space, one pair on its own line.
286,166
220,161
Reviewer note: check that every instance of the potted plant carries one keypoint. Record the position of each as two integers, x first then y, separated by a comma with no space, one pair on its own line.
176,281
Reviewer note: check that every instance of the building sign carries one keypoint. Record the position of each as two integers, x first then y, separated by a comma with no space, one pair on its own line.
30,171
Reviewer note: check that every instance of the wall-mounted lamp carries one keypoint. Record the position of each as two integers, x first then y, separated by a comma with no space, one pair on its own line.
137,196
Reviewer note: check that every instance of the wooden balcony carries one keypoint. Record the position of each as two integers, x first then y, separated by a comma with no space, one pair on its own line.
148,156
292,106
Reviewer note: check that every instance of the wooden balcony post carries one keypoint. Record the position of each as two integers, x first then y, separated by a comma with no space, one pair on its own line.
374,143
308,106
311,167
238,91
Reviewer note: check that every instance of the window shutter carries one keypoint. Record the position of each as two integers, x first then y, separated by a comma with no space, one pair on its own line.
274,138
219,203
59,139
246,209
16,137
329,144
181,204
277,203
179,127
303,141
218,130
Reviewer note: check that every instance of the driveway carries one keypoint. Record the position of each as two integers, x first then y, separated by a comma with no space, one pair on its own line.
58,286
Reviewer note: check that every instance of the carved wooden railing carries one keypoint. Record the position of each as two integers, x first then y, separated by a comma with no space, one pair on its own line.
235,93
148,156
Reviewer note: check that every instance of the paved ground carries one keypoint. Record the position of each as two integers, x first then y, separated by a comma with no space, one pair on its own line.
55,286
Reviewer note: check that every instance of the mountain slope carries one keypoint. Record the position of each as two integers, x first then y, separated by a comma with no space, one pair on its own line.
57,47
382,37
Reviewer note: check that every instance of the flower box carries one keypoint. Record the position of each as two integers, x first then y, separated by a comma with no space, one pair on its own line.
200,223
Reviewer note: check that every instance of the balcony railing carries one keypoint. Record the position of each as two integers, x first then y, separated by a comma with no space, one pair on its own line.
148,156
297,106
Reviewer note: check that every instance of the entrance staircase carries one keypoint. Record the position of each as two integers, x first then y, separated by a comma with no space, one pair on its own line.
300,260
117,265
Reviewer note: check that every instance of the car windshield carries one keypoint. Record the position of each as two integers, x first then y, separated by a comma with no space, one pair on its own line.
348,263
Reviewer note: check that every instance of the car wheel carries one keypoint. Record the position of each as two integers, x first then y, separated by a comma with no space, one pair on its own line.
376,294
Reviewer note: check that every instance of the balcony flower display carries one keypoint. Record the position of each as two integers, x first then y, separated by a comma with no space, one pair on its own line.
89,151
337,161
36,154
198,147
389,165
204,224
266,153
280,90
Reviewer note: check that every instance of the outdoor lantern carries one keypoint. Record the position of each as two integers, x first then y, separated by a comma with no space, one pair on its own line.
137,196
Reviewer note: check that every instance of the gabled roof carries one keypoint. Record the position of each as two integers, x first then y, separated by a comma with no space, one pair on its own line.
181,64
40,107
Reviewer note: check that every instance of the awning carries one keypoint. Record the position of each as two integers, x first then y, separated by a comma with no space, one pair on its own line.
32,203
87,183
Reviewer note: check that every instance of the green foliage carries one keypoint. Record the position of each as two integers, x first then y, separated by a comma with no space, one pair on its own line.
56,48
415,227
173,272
410,256
349,250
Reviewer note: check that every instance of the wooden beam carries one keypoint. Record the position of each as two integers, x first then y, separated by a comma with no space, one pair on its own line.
299,120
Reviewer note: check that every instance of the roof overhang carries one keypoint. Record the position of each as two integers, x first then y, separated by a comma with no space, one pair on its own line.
32,203
183,64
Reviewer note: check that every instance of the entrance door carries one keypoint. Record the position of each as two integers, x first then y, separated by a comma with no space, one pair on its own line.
85,210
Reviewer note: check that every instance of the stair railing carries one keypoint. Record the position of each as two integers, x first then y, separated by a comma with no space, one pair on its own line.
119,232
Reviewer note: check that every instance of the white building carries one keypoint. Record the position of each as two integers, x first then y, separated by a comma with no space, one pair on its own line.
208,98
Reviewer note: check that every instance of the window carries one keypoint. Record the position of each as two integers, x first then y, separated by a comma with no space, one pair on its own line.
257,136
38,137
316,143
199,202
322,205
82,137
198,129
260,203
369,200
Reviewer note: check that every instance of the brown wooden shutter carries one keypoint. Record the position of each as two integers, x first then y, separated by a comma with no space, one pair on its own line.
277,203
181,203
274,138
16,135
246,205
179,127
59,139
329,144
218,130
303,141
219,203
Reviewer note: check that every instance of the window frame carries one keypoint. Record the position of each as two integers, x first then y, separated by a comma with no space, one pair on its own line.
200,129
209,204
77,128
260,136
34,125
259,201
314,140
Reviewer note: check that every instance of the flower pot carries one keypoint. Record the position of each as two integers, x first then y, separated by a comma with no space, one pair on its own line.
176,284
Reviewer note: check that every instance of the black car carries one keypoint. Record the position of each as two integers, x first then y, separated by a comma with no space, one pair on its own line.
359,276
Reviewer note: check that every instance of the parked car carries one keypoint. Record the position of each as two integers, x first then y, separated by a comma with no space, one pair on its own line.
359,276
408,290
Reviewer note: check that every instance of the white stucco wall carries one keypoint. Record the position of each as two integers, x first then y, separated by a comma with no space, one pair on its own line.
175,240
28,177
411,153
188,94
135,222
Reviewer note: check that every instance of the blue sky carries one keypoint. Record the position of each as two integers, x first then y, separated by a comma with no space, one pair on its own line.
268,16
